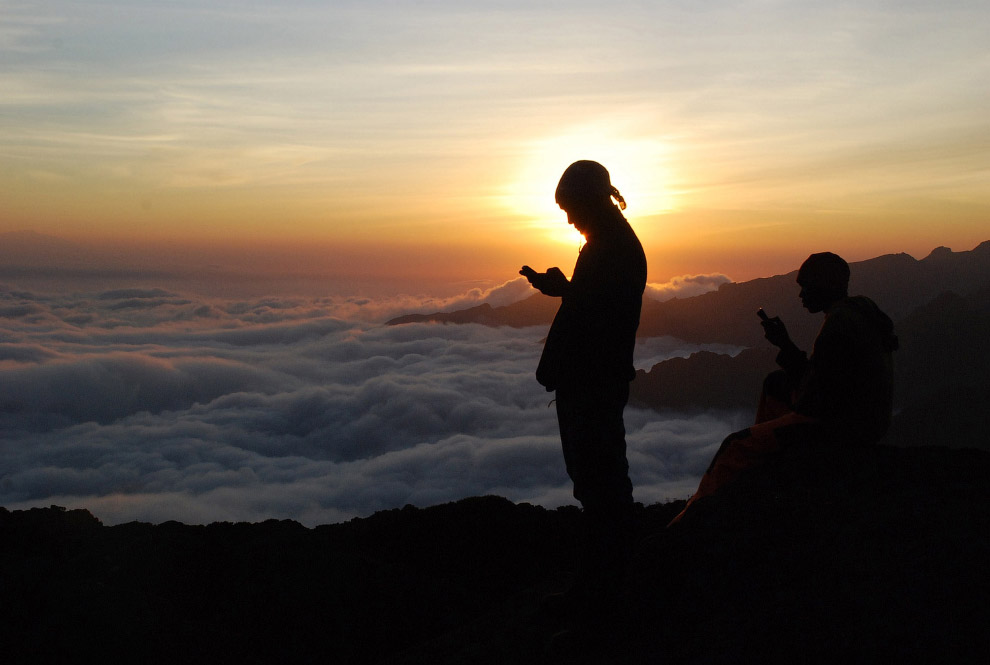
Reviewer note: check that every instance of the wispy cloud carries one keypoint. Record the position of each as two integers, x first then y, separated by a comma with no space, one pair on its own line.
302,94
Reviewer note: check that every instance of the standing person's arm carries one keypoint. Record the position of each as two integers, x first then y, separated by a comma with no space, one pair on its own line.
549,283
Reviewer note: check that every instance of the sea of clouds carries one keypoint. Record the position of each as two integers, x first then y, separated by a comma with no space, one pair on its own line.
150,404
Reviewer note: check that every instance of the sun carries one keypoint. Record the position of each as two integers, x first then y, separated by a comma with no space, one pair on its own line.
637,166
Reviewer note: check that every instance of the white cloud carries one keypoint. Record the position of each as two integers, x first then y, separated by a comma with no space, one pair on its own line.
137,405
382,309
685,286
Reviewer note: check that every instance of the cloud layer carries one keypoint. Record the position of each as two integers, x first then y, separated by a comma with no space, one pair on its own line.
685,286
147,404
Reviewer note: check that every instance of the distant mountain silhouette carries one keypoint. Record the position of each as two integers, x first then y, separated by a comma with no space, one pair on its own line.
873,556
897,282
942,389
940,307
705,380
534,310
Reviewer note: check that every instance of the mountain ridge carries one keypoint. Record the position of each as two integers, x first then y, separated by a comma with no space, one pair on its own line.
897,282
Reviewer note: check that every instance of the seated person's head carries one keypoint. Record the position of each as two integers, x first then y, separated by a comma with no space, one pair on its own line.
824,279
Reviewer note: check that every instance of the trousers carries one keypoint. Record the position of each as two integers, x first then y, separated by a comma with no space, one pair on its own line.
592,436
593,439
776,427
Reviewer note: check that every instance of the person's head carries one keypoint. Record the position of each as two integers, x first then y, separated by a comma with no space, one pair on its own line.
824,280
585,192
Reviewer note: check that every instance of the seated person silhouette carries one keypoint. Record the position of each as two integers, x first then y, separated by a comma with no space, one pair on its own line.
840,396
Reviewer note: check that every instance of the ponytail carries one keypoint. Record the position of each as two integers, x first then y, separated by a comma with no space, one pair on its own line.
618,197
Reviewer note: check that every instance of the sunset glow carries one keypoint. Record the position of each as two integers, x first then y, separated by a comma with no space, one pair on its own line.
770,127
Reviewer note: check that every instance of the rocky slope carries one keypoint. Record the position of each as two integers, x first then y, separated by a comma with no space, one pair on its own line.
873,555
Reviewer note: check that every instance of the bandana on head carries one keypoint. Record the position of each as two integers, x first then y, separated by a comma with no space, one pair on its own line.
585,181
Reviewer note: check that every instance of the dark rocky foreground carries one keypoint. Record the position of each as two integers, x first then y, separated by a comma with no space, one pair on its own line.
875,556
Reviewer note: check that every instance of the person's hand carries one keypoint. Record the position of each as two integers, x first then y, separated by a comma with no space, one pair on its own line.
550,283
776,332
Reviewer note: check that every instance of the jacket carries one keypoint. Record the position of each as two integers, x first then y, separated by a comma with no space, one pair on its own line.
593,334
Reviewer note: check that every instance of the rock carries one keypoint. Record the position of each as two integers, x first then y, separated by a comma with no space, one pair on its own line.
855,555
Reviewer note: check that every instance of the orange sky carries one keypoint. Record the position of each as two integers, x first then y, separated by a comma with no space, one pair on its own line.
425,141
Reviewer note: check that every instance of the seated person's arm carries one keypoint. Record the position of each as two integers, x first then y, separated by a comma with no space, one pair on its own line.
792,359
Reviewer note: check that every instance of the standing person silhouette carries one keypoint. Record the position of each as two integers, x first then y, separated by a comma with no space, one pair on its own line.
588,362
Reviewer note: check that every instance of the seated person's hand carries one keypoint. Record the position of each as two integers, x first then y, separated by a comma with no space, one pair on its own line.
551,283
776,332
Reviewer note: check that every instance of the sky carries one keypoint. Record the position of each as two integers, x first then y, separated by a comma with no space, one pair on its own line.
150,405
419,143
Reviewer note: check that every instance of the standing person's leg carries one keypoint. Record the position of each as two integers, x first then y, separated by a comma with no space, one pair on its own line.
593,440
